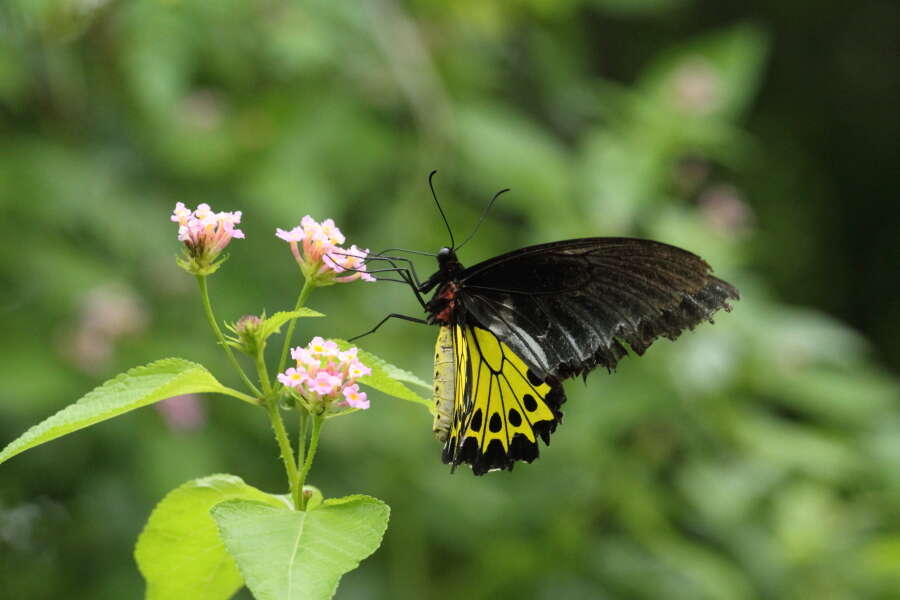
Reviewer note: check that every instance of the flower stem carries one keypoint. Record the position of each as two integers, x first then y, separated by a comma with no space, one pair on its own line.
207,307
263,373
301,300
310,455
287,455
302,434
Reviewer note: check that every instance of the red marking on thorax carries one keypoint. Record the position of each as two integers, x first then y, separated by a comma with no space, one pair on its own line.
448,293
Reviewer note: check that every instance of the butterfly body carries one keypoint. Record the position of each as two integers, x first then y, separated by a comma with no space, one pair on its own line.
514,326
444,383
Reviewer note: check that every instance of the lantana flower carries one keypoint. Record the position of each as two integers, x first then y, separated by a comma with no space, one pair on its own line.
325,377
317,249
205,235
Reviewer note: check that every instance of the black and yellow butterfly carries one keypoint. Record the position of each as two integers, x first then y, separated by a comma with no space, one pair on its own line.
516,325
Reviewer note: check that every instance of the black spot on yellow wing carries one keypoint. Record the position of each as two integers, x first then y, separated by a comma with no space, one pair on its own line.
500,408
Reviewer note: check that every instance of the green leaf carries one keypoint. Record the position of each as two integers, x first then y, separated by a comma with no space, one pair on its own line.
388,378
130,390
180,553
295,555
272,324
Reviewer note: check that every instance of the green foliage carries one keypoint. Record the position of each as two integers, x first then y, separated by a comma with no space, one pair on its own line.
272,325
388,378
180,553
136,388
291,555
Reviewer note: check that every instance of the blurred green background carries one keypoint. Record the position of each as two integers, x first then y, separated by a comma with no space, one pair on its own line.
756,458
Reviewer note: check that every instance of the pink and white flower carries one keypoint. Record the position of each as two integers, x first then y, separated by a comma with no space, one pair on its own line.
205,235
293,377
355,398
325,377
317,249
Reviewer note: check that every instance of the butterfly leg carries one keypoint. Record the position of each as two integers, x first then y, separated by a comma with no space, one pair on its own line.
384,320
409,278
410,267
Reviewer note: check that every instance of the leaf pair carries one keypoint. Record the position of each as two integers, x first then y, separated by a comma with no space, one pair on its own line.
210,536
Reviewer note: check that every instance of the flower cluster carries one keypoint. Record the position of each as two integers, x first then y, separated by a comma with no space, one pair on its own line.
326,377
317,249
205,234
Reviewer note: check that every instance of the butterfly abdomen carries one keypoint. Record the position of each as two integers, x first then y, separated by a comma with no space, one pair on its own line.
444,383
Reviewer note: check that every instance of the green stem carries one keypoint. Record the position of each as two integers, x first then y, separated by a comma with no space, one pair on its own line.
287,455
301,300
240,396
310,455
207,307
302,434
263,373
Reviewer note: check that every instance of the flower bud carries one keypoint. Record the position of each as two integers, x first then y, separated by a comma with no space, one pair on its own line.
247,334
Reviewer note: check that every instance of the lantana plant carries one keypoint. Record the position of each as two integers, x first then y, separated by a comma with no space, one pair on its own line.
212,535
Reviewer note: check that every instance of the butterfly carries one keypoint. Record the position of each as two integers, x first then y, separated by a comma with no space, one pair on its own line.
513,327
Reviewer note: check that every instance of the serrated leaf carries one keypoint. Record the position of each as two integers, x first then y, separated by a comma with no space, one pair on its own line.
295,555
133,389
388,378
272,324
180,553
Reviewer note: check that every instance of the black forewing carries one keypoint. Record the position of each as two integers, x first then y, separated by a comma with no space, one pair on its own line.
566,307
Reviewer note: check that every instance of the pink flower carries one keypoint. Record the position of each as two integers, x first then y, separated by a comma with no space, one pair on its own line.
205,235
325,378
355,398
326,383
317,345
305,357
317,249
352,260
293,377
357,370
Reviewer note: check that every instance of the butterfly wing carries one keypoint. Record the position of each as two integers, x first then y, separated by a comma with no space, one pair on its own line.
566,307
500,407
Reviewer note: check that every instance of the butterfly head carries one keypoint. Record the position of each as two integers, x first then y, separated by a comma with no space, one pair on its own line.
449,268
445,256
448,265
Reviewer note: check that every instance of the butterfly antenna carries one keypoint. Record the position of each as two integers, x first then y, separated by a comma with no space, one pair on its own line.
386,250
484,214
443,216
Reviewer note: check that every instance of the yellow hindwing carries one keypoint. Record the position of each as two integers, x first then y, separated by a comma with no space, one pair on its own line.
499,407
